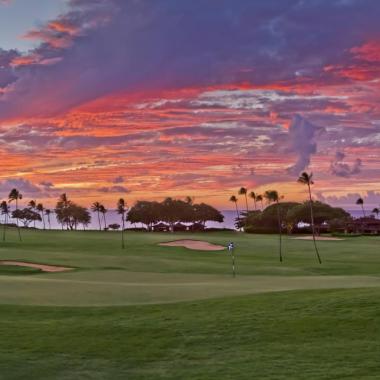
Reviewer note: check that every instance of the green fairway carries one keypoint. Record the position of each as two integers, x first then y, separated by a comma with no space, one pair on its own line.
158,312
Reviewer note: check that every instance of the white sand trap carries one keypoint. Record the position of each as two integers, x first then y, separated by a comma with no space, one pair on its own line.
316,238
194,244
42,267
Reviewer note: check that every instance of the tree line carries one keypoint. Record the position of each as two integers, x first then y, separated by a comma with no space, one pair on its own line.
71,216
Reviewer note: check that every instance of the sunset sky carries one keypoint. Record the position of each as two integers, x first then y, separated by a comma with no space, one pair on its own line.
145,99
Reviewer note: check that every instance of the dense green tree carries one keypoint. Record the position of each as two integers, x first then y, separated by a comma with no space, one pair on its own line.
174,211
204,213
26,216
145,212
322,213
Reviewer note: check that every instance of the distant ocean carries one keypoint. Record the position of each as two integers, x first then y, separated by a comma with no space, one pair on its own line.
229,220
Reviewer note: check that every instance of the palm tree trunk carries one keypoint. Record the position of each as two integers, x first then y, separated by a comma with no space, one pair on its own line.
363,210
5,226
122,232
100,225
105,221
18,227
246,202
49,222
254,201
279,229
312,226
43,219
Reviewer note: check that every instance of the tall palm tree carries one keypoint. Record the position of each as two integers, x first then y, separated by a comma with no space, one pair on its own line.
244,191
376,211
252,195
5,211
272,196
259,198
104,211
40,208
235,200
47,213
307,179
360,202
121,210
32,204
15,195
96,207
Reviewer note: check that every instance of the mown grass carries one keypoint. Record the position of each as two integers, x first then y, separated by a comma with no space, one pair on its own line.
331,334
304,334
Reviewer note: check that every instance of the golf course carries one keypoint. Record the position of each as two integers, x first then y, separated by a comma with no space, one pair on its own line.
75,305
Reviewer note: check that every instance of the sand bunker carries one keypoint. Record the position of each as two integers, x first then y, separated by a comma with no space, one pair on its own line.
42,267
316,238
194,244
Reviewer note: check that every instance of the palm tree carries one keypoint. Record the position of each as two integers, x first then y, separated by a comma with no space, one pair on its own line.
272,196
235,200
5,211
40,209
244,191
259,198
47,213
32,204
360,202
252,195
15,195
121,209
96,207
104,211
376,211
306,179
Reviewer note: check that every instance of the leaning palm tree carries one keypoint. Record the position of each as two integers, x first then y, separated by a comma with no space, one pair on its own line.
259,198
376,211
96,207
5,211
121,210
252,195
235,200
244,191
47,213
104,211
360,202
272,196
307,179
15,195
40,208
